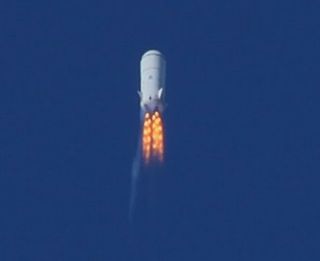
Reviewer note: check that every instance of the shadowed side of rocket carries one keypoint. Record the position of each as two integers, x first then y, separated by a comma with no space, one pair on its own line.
152,93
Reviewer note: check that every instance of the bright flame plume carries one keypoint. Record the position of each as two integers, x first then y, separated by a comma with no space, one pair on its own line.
153,137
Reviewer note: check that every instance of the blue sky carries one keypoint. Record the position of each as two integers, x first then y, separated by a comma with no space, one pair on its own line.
243,142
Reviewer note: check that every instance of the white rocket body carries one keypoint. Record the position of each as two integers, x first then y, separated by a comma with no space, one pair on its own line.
152,76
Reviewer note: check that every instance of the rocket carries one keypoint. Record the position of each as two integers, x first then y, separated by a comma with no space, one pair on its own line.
149,161
152,91
152,75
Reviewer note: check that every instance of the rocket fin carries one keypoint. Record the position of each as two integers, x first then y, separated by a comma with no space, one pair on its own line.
160,92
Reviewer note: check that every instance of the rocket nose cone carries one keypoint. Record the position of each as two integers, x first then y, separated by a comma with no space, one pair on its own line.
152,52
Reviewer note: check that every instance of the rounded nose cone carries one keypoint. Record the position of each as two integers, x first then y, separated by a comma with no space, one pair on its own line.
152,52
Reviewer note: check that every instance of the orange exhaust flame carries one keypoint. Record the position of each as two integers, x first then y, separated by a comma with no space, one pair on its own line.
153,137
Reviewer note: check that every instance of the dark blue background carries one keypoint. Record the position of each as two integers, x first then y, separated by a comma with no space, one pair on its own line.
243,146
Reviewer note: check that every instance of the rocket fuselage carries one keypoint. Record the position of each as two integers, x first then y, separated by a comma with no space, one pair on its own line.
152,75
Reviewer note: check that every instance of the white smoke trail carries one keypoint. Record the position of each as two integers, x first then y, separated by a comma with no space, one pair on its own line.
134,182
135,173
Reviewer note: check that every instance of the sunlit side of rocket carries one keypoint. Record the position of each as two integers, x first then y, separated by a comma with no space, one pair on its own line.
152,75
